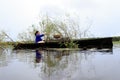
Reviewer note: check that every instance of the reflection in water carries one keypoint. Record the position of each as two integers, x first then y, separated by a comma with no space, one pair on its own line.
59,65
38,56
55,63
4,57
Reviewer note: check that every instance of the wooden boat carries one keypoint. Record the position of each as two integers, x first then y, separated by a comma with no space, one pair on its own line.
98,43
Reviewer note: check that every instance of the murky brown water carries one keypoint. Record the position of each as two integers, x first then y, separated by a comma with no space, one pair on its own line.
60,65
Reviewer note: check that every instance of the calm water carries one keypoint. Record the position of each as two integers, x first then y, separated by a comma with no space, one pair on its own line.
60,65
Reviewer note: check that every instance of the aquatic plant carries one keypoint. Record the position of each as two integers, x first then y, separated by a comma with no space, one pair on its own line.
2,36
28,35
66,27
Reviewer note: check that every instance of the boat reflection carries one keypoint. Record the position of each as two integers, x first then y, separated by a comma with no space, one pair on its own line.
67,64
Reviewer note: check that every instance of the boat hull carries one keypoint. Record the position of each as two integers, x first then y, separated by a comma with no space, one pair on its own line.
98,43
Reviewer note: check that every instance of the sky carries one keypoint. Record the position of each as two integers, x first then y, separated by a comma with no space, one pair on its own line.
18,15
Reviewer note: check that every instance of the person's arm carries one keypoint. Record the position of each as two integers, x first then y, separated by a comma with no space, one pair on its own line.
41,35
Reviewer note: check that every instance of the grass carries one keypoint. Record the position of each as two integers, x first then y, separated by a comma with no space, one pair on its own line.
4,45
116,42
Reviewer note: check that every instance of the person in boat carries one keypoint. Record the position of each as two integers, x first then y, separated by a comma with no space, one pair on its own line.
38,38
38,56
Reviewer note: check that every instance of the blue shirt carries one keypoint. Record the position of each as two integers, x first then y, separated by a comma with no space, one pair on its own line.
39,38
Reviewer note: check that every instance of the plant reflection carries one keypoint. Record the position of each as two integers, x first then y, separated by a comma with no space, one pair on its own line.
59,64
56,64
4,57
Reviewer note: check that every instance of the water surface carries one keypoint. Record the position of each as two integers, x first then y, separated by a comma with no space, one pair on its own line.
60,65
